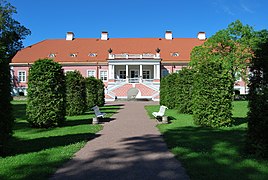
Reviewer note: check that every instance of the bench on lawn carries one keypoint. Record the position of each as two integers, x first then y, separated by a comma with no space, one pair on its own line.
97,112
160,113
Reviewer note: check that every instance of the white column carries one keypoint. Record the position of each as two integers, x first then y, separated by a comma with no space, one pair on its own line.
154,72
111,71
157,71
127,73
140,73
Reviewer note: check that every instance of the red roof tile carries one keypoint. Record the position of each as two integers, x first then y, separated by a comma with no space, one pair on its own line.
84,46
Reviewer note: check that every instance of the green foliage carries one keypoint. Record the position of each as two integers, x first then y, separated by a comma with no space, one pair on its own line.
46,94
168,90
233,46
184,90
6,118
212,95
11,31
257,139
95,92
75,94
11,34
101,93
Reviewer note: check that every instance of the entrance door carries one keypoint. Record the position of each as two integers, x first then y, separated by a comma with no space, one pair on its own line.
134,76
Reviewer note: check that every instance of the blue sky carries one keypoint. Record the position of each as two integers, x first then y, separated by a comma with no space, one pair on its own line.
51,19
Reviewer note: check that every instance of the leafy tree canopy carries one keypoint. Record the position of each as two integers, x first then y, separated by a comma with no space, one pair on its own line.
234,46
11,31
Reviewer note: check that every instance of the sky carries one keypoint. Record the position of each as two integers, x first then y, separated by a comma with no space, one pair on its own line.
51,19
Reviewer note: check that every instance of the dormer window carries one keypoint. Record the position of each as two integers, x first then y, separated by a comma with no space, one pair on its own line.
175,54
92,54
73,55
52,55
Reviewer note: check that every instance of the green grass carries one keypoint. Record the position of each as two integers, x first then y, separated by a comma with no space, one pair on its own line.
37,153
208,153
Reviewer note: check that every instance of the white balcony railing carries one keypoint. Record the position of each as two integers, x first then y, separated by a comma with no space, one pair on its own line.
134,56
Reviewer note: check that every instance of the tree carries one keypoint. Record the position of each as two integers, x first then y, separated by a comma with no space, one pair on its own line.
11,34
230,51
75,94
233,46
257,138
6,117
46,100
11,31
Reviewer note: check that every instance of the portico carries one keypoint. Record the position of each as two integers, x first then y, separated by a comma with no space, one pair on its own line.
132,70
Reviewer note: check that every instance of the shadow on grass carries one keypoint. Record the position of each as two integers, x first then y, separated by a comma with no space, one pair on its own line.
19,111
209,153
239,120
24,146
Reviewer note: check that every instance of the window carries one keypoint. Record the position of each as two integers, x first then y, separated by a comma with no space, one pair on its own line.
175,54
122,74
52,55
164,72
92,54
22,76
73,55
146,74
91,73
103,75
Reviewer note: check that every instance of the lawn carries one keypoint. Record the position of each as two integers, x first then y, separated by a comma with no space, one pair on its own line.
37,153
208,153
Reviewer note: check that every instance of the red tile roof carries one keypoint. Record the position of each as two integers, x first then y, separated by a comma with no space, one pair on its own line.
84,46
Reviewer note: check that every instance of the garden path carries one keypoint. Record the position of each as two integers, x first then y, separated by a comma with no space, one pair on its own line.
128,147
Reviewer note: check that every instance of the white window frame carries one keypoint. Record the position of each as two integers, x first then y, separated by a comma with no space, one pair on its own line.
94,73
24,76
103,78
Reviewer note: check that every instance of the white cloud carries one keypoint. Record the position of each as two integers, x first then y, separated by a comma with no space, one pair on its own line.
246,8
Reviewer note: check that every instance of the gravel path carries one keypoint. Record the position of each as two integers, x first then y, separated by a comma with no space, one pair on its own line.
129,147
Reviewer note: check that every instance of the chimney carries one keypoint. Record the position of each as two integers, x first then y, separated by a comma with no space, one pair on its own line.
69,36
168,35
104,35
201,36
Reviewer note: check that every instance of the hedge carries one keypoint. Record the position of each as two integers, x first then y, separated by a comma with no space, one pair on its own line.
94,92
257,136
75,94
6,117
184,91
212,95
168,90
46,102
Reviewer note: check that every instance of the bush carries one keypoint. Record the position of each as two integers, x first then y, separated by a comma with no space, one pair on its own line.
6,118
101,93
46,94
184,91
75,94
168,90
212,95
95,92
257,136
